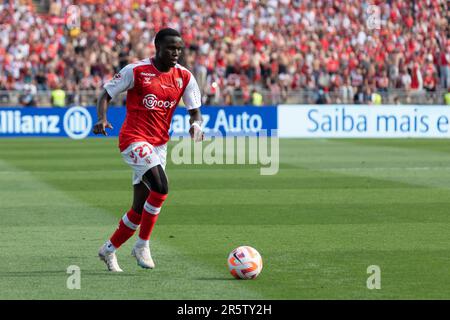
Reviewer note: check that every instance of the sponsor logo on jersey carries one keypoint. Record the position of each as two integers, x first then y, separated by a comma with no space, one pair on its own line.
150,101
147,74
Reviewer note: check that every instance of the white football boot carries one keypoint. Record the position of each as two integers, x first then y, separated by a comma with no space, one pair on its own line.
143,257
110,259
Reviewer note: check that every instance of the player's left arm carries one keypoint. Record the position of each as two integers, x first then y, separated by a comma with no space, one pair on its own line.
196,121
193,102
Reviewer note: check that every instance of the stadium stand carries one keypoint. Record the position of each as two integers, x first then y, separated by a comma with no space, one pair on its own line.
288,51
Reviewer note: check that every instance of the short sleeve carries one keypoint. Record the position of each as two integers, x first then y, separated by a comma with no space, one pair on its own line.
122,81
192,96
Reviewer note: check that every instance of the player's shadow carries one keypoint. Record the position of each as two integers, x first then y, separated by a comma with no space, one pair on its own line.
215,278
27,274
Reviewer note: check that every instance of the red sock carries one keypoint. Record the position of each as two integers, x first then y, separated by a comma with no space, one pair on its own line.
150,213
127,226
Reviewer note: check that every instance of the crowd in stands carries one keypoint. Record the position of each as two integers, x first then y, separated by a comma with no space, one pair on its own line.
235,48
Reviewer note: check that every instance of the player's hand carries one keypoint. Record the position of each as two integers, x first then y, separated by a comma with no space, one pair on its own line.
100,127
196,133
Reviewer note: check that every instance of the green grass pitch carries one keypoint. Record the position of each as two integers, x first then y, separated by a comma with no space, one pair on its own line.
335,208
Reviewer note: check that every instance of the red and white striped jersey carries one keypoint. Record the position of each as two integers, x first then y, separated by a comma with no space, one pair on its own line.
152,97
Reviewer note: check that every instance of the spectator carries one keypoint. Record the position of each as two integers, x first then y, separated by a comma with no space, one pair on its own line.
58,97
416,78
275,92
246,95
4,95
404,80
228,95
212,93
444,67
322,97
300,44
429,82
376,98
347,91
27,99
383,82
363,95
257,98
447,98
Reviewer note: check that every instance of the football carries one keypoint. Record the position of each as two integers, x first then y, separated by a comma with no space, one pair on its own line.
245,263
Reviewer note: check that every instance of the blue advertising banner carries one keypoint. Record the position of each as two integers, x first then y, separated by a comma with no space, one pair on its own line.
228,121
77,122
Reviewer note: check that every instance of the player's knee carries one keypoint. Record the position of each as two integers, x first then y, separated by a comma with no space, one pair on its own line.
157,180
162,187
159,185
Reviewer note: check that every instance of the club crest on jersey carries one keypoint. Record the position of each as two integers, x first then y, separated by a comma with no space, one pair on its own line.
180,83
150,101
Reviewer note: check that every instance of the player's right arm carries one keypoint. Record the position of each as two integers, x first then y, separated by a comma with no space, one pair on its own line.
122,81
102,106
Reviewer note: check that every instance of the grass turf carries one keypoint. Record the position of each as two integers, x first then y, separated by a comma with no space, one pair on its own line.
334,208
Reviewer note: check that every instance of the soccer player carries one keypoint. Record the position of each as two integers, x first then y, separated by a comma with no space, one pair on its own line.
154,87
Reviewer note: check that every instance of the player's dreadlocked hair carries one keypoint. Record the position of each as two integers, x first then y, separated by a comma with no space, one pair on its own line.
164,33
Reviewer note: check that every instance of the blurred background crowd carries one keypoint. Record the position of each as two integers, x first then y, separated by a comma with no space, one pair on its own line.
241,51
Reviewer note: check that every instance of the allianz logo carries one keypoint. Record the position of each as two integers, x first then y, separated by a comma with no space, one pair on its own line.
76,123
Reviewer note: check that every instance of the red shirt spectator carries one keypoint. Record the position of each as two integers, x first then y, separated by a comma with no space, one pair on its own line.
213,30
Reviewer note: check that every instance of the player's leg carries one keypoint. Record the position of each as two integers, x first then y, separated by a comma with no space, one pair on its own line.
140,194
157,180
140,157
131,219
127,227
